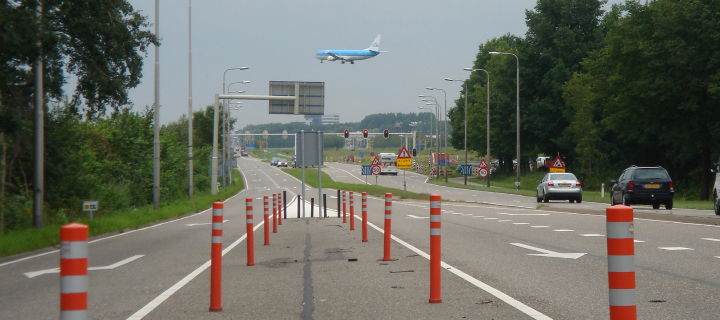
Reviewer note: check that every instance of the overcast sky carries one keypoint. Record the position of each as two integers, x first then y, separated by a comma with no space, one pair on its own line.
427,42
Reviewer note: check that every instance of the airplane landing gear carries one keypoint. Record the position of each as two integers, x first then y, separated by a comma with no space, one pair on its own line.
352,62
343,62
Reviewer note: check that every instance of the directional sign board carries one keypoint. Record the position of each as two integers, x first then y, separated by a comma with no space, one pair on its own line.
558,165
310,97
466,169
404,160
90,205
376,170
366,170
483,169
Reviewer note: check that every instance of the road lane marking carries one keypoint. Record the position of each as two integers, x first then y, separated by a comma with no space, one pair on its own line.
539,226
675,248
548,253
416,217
503,220
202,224
639,241
521,223
563,230
710,239
490,218
34,274
592,235
524,214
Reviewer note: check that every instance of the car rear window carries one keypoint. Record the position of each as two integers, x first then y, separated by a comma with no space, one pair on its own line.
651,174
562,176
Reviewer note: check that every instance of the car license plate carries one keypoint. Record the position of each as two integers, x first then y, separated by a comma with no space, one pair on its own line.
652,186
564,184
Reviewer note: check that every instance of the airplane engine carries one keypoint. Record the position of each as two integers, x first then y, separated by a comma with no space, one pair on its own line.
331,58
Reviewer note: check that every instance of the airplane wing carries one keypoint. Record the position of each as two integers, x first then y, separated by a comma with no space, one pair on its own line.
337,57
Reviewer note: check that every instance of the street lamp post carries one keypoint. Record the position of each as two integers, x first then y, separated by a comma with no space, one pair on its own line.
466,106
517,80
487,116
431,131
446,123
213,182
437,129
226,130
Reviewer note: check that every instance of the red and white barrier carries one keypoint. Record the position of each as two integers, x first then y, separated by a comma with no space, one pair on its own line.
388,226
352,211
621,262
364,217
344,212
73,271
216,258
275,215
250,235
266,219
435,247
281,207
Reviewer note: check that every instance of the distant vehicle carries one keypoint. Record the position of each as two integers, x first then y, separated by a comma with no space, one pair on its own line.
541,161
274,161
389,163
244,153
559,186
350,55
282,163
643,185
716,188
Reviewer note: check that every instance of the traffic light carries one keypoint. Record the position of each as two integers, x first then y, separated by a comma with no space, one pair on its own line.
365,133
347,134
414,152
386,133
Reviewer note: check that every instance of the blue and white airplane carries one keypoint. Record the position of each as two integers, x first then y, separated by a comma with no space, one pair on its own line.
350,55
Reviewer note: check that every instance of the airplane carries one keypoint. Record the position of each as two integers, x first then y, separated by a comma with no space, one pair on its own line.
350,55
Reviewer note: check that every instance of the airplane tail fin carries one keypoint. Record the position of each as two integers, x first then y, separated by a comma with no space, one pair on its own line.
375,45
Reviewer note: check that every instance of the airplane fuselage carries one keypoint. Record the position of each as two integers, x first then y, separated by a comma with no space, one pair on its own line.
345,55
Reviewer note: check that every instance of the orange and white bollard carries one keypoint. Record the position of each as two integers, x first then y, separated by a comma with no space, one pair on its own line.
216,258
73,271
281,207
364,217
275,215
266,219
621,262
388,226
352,211
250,236
435,258
344,212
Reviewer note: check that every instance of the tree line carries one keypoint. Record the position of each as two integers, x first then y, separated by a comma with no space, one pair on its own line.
634,85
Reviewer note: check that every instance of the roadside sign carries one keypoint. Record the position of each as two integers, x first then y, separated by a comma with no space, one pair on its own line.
558,165
90,205
376,170
404,160
366,170
375,162
466,169
483,169
265,134
361,154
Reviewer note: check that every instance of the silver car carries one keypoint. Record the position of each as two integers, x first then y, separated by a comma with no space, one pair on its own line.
559,186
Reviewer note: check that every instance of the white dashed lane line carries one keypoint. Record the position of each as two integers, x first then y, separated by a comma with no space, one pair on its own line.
675,248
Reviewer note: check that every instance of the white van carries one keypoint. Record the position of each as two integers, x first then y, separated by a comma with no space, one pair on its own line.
389,163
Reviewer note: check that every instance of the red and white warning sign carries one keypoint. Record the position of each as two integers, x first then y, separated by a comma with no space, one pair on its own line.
375,162
483,169
558,165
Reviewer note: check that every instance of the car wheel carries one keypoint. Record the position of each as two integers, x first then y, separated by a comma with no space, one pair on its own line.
669,205
537,197
625,200
545,198
579,200
612,200
656,205
717,205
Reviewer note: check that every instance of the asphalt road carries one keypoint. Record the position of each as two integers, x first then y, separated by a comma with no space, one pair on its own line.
489,238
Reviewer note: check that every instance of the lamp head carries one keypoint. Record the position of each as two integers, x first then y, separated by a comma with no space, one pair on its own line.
429,88
468,69
448,79
494,53
244,68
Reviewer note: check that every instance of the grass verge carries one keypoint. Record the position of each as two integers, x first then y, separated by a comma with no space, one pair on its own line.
26,240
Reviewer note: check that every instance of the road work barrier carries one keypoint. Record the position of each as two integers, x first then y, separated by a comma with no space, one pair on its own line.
266,219
250,236
364,217
216,258
344,212
621,262
435,258
73,271
352,211
275,215
388,226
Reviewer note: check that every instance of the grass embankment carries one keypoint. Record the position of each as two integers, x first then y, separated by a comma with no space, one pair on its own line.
311,178
33,239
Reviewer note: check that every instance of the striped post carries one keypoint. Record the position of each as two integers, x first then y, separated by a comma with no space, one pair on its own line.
388,226
364,217
352,211
250,236
73,271
621,262
275,215
344,212
280,208
266,219
435,258
216,260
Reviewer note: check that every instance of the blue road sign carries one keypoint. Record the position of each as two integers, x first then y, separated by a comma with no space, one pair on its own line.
366,170
466,169
441,162
361,154
251,145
